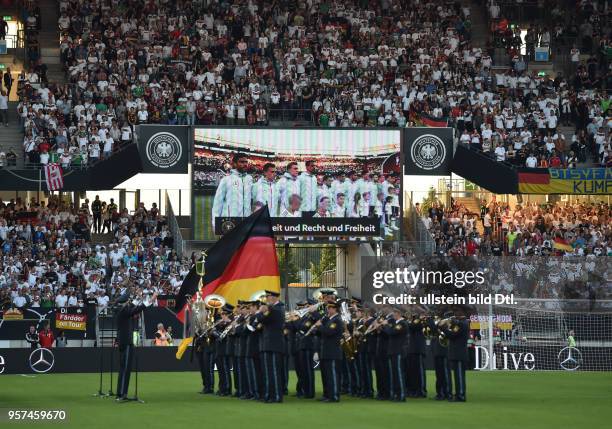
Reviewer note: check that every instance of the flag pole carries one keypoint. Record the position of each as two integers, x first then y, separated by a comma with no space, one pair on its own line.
39,185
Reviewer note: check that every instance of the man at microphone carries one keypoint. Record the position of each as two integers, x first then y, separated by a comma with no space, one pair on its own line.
127,322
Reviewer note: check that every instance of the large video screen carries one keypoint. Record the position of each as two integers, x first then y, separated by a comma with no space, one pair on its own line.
325,183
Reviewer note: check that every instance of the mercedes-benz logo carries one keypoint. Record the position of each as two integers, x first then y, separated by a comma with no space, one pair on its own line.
570,358
41,360
428,152
164,150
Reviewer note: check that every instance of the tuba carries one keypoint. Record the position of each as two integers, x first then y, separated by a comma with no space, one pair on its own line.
213,303
199,314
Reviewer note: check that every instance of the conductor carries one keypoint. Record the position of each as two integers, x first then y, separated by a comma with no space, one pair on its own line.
126,324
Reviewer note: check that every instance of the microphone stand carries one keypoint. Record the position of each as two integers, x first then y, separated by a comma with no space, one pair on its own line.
99,393
135,398
112,352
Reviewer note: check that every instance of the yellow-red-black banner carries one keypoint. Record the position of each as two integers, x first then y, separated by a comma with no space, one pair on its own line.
578,181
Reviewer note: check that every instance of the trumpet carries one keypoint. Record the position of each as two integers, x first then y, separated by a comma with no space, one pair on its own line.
290,316
374,326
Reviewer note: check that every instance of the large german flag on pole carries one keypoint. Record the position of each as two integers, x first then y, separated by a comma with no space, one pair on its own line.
242,262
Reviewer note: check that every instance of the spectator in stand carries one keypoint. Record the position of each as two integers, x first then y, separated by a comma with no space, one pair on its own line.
46,337
32,337
61,340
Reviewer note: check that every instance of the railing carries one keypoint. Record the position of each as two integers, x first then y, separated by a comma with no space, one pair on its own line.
174,227
423,241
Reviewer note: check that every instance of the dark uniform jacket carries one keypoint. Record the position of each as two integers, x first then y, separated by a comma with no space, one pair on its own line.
272,338
458,334
240,338
126,324
416,344
304,342
221,344
437,349
253,336
396,332
330,331
371,339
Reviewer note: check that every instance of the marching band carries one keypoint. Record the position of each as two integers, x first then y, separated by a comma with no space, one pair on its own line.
251,344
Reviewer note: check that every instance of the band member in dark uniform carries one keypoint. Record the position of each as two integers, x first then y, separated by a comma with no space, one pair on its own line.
126,325
306,347
458,332
253,363
240,333
330,329
292,325
224,364
396,331
204,347
380,363
416,356
439,351
367,350
272,345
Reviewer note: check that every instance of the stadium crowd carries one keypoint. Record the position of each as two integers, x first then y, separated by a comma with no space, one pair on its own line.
580,229
341,64
49,259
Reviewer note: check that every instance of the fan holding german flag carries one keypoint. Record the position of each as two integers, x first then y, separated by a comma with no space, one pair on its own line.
241,263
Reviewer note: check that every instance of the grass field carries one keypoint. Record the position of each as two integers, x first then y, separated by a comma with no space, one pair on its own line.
496,400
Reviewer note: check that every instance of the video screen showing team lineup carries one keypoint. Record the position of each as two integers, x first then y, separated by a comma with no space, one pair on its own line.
309,178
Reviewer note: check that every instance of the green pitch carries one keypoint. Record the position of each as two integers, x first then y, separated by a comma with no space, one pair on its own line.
495,400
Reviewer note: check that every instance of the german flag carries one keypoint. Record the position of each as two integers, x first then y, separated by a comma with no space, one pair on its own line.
433,122
241,263
534,181
189,287
562,244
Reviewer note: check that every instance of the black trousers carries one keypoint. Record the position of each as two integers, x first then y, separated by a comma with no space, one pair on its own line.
225,378
307,379
206,362
330,376
397,388
235,368
273,376
97,222
416,375
458,368
382,377
253,377
285,371
364,365
126,357
354,378
299,372
241,377
443,377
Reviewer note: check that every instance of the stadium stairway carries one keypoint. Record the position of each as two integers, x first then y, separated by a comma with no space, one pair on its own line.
478,18
473,206
11,137
102,238
49,41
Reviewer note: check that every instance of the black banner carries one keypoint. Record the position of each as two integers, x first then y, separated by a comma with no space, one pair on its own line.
87,359
164,148
427,151
312,226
